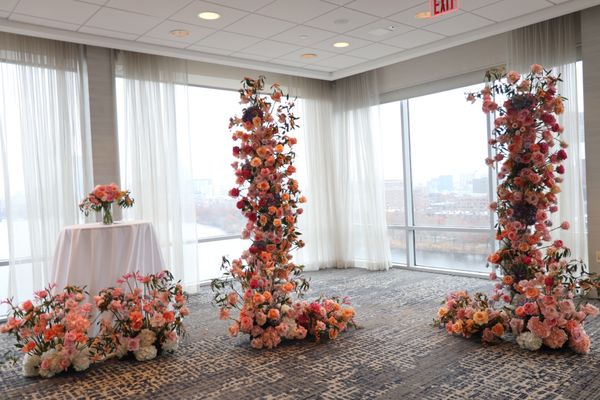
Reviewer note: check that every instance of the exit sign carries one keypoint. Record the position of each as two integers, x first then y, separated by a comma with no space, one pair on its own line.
439,7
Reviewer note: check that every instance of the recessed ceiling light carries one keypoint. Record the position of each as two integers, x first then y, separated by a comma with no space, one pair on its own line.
209,15
303,37
423,15
308,55
341,44
179,33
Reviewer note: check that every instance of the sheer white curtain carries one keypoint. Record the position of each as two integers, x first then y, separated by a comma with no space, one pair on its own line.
45,155
345,220
155,153
553,44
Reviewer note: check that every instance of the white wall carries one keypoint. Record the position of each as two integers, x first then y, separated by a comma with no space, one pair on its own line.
590,52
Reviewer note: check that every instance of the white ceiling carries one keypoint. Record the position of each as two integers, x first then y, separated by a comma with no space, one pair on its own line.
272,34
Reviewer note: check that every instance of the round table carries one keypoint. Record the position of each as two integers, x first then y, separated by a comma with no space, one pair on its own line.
96,255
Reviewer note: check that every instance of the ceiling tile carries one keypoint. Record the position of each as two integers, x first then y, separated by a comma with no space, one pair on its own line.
270,48
99,2
296,55
469,5
320,68
459,24
379,30
374,51
339,2
190,13
296,11
228,41
510,9
302,35
156,8
291,63
108,33
257,25
340,61
408,17
341,20
246,5
162,42
123,21
382,8
412,39
4,14
205,49
73,12
43,22
162,32
355,43
251,56
8,5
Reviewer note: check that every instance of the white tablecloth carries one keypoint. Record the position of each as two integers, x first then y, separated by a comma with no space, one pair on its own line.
96,255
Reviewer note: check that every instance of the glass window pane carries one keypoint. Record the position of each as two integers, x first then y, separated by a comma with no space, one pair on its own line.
398,245
448,147
391,125
210,110
466,251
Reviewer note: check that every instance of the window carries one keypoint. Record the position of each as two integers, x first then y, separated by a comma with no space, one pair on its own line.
447,223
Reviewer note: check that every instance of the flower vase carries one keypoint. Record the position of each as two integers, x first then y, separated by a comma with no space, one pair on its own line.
107,218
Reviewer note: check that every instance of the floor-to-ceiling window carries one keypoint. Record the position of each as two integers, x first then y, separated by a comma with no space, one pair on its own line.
437,184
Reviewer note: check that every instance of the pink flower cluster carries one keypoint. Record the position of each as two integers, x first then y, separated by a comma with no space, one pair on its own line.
53,330
464,315
143,315
104,195
538,281
268,196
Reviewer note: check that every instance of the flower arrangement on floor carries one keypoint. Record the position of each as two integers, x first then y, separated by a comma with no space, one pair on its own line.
145,315
101,199
536,295
52,330
261,283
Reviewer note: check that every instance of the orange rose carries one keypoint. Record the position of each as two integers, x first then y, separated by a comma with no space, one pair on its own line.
442,312
532,293
481,317
333,333
457,327
273,313
507,280
520,311
498,329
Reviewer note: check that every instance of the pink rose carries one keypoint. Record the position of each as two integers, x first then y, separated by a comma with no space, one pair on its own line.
537,69
590,310
581,344
556,339
538,328
512,77
564,225
133,344
516,325
530,308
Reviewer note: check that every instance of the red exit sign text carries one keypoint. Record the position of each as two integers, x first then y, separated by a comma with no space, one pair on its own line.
439,7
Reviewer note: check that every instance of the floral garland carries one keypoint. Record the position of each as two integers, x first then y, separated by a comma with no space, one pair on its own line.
53,330
261,282
534,299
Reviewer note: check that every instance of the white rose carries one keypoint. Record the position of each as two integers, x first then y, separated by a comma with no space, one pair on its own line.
81,360
147,338
31,365
529,341
145,353
170,345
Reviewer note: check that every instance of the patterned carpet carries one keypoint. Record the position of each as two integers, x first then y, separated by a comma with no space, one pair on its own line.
396,355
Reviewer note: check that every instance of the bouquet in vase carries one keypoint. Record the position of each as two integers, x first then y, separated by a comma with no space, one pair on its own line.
102,198
143,318
52,331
